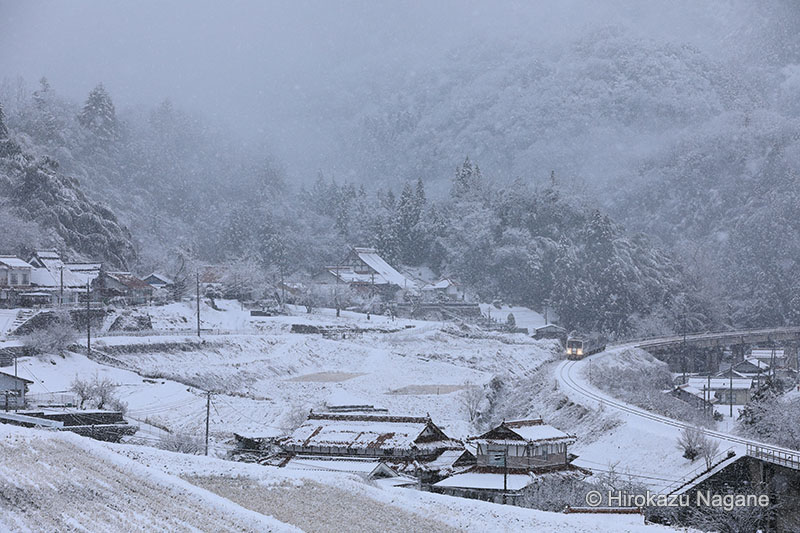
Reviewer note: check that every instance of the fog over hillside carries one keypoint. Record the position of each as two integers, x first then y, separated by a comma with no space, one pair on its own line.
312,80
281,133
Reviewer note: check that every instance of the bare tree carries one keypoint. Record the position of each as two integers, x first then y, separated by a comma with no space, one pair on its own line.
472,398
710,448
99,393
690,441
103,391
83,389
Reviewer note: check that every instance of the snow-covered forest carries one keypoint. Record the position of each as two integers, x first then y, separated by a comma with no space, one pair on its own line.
581,142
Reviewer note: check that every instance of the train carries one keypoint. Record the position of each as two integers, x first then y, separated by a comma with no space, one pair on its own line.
579,346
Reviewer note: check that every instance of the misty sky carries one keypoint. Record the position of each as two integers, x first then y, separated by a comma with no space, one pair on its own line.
265,68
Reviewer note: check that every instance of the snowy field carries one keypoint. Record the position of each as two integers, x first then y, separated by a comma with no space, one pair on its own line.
266,382
72,483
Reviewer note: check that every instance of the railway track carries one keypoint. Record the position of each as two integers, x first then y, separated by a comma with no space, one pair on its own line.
565,374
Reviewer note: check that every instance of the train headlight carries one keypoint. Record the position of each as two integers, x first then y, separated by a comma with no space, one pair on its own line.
580,351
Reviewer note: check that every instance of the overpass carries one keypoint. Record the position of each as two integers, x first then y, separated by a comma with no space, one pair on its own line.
709,346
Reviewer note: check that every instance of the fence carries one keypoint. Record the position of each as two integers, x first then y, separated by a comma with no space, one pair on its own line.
786,458
66,399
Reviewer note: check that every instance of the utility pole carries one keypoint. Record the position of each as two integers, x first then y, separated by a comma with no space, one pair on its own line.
61,289
683,349
88,321
198,305
505,473
731,393
208,414
711,407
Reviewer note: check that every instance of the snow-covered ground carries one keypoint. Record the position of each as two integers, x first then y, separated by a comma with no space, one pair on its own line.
7,317
524,317
267,382
62,482
645,444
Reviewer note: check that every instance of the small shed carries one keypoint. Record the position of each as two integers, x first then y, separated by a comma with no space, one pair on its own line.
12,391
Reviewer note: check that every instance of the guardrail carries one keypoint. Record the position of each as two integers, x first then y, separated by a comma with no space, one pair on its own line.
779,457
700,470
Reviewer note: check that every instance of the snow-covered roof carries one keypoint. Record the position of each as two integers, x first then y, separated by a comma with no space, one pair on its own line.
364,467
531,430
128,279
164,280
15,377
720,383
373,260
348,275
442,284
84,268
480,480
51,278
48,254
757,362
765,353
445,459
367,431
12,261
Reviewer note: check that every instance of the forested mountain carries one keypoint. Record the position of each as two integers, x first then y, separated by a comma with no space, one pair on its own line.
697,151
728,198
40,206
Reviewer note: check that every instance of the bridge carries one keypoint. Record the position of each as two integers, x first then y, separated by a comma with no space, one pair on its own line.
708,346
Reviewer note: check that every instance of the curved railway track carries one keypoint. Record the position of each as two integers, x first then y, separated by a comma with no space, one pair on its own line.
564,373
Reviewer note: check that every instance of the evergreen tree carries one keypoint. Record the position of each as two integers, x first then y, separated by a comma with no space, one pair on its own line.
98,115
421,200
467,181
3,127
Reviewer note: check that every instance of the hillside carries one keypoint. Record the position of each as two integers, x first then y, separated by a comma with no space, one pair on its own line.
122,488
41,206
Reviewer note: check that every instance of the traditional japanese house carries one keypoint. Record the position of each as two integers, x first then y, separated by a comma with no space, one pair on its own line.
510,457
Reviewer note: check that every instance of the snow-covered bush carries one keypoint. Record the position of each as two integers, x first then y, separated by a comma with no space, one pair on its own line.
99,393
54,338
182,443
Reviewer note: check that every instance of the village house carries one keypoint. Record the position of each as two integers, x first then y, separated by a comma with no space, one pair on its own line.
12,391
410,444
725,391
443,290
123,285
771,356
749,368
698,398
366,271
369,435
551,331
511,457
15,277
158,281
55,282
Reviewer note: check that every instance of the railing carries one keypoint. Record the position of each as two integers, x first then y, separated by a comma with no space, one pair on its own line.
779,457
700,470
52,398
